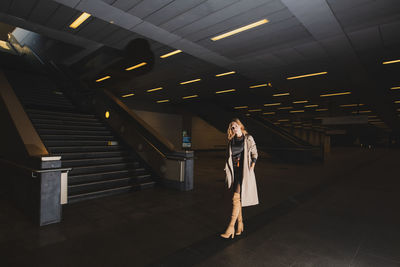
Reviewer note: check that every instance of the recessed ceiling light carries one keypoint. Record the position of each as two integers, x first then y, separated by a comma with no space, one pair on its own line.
281,120
300,102
296,122
311,106
307,75
226,73
4,45
271,104
335,94
102,79
259,85
240,107
362,111
296,111
84,16
285,108
268,113
191,81
171,53
225,91
241,29
190,96
397,101
391,62
351,105
163,101
282,94
255,110
155,89
395,88
136,66
128,95
321,109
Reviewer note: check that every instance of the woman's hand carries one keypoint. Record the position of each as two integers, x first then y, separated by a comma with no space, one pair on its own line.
252,166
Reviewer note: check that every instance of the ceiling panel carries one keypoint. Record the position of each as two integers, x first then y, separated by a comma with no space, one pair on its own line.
121,43
366,39
172,10
93,27
5,5
62,17
340,5
125,5
145,8
43,10
116,36
289,56
21,8
195,14
107,30
311,50
391,33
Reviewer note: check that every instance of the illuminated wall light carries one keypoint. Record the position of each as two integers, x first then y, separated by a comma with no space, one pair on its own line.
163,101
397,102
300,102
84,16
283,94
271,104
268,113
282,120
4,45
285,108
296,111
241,29
241,107
191,81
255,110
259,85
307,75
107,114
155,89
224,74
321,109
225,91
395,88
136,66
102,79
128,95
190,96
171,53
311,106
351,105
336,94
391,62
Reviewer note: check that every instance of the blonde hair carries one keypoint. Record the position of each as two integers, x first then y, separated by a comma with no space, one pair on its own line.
231,133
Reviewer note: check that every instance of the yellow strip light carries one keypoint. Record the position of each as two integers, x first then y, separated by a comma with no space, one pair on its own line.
362,111
268,113
283,94
240,107
225,91
351,105
395,88
163,101
136,66
259,85
283,120
190,96
102,79
128,95
271,104
191,81
241,29
397,102
4,45
171,54
300,102
285,108
321,109
296,111
344,93
311,106
307,75
155,89
84,16
226,73
255,110
391,62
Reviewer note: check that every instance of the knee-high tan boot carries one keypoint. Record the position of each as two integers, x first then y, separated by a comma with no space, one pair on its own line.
240,226
230,231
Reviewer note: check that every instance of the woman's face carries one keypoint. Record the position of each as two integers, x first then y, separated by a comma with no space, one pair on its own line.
236,129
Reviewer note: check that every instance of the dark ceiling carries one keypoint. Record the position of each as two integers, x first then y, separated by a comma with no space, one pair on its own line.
348,39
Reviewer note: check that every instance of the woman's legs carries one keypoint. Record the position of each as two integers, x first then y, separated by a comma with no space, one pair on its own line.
240,216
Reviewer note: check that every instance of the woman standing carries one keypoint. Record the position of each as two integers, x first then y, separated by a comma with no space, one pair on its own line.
241,159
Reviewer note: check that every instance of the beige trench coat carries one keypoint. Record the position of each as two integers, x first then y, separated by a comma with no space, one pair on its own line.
249,196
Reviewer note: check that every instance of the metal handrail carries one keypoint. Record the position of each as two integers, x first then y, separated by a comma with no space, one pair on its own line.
34,171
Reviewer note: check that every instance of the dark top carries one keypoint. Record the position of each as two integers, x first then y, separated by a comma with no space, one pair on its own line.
237,146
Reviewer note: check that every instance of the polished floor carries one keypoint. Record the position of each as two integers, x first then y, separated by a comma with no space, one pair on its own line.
344,212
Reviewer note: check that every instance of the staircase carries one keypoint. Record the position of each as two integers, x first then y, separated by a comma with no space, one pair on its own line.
101,164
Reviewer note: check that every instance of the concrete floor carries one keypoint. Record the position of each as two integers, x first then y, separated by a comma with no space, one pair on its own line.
340,213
